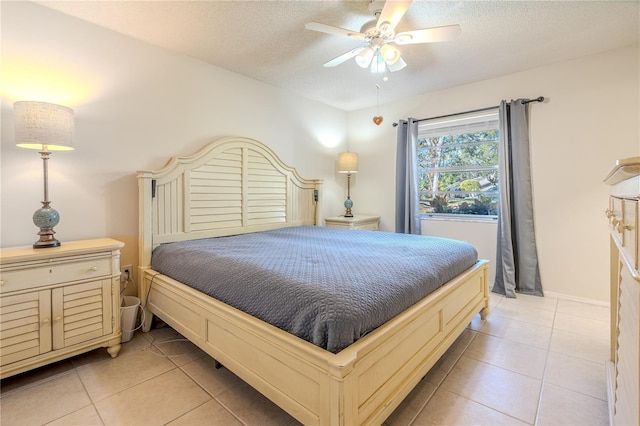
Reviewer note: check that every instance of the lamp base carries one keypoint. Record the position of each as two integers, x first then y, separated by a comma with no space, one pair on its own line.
46,218
46,239
347,205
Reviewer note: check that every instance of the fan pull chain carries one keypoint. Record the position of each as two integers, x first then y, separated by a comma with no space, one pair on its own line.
378,118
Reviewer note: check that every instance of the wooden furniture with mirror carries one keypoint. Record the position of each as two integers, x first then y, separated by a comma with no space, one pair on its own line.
623,370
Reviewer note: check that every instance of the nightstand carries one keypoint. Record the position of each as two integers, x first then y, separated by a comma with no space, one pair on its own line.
58,302
370,223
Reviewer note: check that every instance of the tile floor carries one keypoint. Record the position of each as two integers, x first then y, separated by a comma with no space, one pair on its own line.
534,361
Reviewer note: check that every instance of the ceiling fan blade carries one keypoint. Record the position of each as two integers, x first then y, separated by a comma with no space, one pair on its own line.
328,29
342,58
428,35
392,13
397,66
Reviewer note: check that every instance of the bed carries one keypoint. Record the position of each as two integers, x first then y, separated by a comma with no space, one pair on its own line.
239,187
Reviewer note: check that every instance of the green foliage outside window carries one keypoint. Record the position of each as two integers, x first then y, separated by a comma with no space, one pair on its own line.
470,185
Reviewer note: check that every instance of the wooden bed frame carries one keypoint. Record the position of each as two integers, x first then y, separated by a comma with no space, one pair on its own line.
238,185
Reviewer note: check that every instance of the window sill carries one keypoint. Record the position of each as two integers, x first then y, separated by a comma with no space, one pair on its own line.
459,217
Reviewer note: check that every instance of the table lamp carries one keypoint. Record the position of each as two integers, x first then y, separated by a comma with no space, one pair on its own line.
46,127
348,163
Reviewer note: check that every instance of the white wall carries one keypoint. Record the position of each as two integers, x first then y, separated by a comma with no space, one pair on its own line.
135,107
590,119
480,234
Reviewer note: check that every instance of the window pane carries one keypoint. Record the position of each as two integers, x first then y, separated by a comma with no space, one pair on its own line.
458,169
456,181
458,151
472,203
482,154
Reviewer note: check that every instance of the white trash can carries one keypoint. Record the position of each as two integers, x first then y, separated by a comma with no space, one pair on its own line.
128,316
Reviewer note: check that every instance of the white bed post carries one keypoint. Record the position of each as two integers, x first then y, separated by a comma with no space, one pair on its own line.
145,237
343,405
484,312
319,218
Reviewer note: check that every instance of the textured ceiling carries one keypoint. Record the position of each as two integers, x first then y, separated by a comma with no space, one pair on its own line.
266,40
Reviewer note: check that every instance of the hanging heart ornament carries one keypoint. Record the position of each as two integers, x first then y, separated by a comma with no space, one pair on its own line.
377,119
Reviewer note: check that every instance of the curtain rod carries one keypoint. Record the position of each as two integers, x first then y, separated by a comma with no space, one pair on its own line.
538,99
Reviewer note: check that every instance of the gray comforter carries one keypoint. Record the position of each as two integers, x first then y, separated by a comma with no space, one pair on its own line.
325,285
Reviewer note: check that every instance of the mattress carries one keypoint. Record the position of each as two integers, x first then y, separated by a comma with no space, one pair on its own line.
328,286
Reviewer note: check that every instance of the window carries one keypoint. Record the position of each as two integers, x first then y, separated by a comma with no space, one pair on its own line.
458,165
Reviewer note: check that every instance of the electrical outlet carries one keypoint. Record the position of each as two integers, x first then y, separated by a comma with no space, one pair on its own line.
125,273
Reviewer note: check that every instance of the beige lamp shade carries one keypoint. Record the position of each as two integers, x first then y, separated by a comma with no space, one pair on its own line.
348,162
42,123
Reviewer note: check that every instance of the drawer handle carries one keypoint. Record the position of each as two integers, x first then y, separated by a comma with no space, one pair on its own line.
57,319
95,268
620,226
45,321
609,213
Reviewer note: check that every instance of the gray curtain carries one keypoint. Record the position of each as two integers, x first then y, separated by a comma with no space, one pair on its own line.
517,257
407,201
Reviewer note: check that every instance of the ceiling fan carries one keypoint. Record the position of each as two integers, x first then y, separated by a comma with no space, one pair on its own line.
379,37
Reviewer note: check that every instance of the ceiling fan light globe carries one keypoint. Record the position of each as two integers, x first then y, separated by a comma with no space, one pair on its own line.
390,54
397,66
363,59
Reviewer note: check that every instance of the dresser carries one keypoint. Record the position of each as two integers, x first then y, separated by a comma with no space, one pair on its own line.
371,223
623,369
58,302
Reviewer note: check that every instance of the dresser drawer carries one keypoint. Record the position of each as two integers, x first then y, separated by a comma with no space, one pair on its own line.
615,214
369,226
370,223
629,229
54,273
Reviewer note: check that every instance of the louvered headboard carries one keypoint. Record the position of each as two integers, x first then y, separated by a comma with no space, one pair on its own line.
232,186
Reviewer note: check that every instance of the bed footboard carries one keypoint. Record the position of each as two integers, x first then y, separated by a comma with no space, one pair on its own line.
362,384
